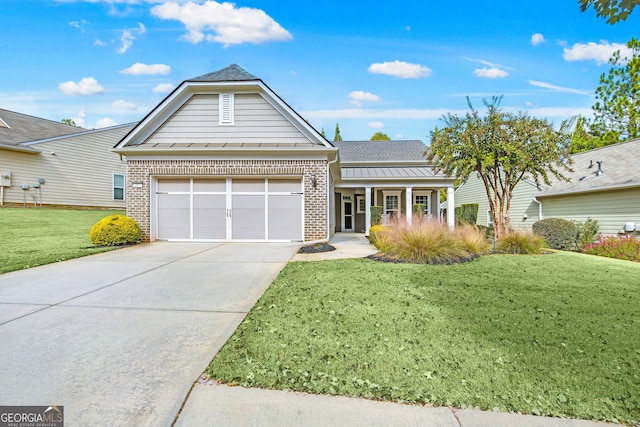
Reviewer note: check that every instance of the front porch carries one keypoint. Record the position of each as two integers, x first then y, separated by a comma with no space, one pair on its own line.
353,205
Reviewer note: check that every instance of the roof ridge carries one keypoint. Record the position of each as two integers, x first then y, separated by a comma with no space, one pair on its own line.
232,72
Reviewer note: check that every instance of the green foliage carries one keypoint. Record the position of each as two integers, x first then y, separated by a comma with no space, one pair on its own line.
380,136
376,215
115,230
336,135
518,243
502,148
617,107
378,238
553,335
587,232
38,236
467,213
70,122
429,242
625,248
418,209
558,233
613,10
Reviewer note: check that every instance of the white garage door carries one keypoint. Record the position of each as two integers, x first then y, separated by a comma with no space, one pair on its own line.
262,209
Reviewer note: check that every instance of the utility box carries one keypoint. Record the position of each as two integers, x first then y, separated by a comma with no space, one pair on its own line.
5,179
629,226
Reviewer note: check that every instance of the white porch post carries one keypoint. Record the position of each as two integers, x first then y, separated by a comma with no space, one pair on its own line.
438,212
367,211
409,204
451,219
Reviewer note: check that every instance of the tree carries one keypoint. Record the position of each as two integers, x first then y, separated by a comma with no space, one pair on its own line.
582,139
503,148
337,136
613,10
380,136
617,107
68,122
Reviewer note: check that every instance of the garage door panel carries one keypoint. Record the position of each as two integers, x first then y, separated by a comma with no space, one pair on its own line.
174,216
285,218
209,216
209,185
285,185
175,185
248,217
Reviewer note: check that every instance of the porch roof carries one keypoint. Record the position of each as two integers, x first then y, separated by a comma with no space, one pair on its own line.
397,172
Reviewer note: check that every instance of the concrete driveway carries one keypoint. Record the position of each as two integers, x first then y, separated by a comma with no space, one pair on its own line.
119,338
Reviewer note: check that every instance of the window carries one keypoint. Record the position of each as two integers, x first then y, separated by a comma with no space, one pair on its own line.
118,187
391,203
489,219
225,113
422,199
361,204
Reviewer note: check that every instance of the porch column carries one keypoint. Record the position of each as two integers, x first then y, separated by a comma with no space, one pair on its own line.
438,212
409,204
451,218
367,211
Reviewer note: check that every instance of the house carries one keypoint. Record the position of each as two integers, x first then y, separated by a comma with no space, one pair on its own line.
604,185
223,157
48,163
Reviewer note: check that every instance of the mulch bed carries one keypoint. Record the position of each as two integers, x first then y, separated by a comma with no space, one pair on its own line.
316,248
385,258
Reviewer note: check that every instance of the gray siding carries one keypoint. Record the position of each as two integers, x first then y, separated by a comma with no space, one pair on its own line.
255,121
611,208
80,173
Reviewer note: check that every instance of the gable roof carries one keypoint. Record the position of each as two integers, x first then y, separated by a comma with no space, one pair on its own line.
381,151
18,128
232,73
618,170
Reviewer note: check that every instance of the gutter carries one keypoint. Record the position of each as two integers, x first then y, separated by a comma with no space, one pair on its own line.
539,207
329,195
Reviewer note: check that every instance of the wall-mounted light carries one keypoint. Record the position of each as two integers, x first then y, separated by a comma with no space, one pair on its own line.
314,181
524,216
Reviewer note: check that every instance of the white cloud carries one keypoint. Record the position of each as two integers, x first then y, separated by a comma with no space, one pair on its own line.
555,88
400,69
78,119
599,52
223,23
359,113
125,105
86,86
376,125
99,42
357,97
139,69
127,41
163,88
141,28
537,38
106,122
490,73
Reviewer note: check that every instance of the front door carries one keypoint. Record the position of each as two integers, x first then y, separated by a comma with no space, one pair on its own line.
347,214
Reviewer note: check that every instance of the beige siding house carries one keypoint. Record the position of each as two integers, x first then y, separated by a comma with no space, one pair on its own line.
75,170
604,185
224,158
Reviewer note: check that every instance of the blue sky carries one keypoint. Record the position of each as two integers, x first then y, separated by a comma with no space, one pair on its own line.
370,66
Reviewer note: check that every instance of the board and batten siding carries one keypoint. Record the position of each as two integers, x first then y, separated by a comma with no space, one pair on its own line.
612,208
255,121
473,191
78,170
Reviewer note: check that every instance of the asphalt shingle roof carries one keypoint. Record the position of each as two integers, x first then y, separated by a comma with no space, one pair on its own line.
232,73
381,151
618,166
23,128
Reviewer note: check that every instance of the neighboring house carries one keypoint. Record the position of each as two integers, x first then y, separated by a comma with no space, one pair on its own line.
604,185
223,157
48,163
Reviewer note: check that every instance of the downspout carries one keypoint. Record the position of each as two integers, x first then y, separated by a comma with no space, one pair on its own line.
329,196
539,207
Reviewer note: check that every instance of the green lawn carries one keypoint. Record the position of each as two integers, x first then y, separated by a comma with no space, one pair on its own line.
37,236
554,334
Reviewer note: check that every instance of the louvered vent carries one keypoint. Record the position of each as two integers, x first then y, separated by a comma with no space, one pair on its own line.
226,109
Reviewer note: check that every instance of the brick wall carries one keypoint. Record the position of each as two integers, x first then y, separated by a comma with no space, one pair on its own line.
139,173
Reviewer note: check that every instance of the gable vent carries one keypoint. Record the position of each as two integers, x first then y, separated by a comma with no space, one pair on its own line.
226,109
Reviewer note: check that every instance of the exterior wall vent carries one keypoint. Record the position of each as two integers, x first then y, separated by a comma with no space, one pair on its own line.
226,108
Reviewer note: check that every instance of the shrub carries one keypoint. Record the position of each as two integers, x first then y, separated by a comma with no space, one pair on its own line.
429,242
467,213
558,233
587,232
626,247
418,209
520,243
376,215
115,230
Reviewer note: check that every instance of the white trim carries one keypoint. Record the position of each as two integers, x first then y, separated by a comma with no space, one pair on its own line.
385,194
361,198
421,193
113,186
489,218
226,107
344,199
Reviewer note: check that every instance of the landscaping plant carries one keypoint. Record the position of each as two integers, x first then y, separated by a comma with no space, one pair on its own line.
558,233
626,248
587,232
520,243
115,230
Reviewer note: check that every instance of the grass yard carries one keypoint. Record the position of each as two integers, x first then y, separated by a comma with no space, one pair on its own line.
37,236
554,334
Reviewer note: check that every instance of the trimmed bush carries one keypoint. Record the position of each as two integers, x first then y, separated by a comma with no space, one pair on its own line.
467,214
626,248
587,232
558,233
418,209
115,230
520,244
376,215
